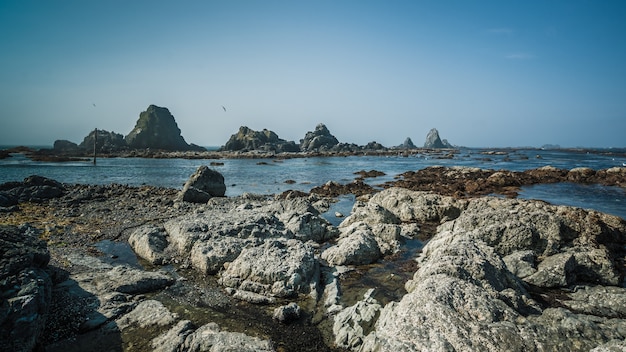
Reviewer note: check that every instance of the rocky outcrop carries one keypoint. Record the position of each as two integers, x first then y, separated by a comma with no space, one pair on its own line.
157,129
25,288
107,142
407,144
62,146
433,140
204,184
247,139
263,248
32,189
318,140
537,276
376,228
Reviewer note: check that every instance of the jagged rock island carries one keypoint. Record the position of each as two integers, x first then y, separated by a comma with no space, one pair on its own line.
247,139
156,128
433,141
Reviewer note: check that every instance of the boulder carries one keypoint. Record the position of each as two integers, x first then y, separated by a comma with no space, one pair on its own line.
433,141
25,288
157,129
288,313
204,184
149,242
209,337
247,139
279,267
318,140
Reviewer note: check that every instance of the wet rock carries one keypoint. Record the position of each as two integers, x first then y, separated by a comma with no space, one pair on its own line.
25,288
279,267
288,313
203,185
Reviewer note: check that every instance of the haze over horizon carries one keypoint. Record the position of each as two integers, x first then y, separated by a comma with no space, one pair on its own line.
485,74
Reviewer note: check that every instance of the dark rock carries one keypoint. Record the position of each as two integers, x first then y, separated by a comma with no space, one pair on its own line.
25,288
203,185
266,140
157,129
33,189
64,146
108,142
288,313
319,140
433,140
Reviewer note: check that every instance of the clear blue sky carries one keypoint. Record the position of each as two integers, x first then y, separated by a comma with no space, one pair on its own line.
484,73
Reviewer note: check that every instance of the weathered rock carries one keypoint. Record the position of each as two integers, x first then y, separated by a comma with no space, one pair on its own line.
464,296
149,242
357,248
434,141
173,339
157,129
210,256
281,268
209,338
413,206
318,140
147,313
25,288
204,184
266,140
288,313
353,323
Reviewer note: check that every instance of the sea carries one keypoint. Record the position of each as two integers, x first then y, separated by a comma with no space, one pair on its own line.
275,175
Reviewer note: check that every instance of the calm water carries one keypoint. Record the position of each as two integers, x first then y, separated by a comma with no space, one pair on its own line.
267,176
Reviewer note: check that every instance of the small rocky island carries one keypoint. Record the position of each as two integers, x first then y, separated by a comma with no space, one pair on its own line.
428,263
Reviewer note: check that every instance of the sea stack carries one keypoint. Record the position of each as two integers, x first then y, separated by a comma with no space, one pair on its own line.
266,140
319,140
157,129
433,140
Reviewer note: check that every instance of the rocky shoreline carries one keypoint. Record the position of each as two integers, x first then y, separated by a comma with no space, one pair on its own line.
428,263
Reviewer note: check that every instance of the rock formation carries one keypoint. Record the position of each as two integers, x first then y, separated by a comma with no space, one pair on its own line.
407,144
25,288
247,139
107,142
63,146
433,140
203,185
157,129
318,140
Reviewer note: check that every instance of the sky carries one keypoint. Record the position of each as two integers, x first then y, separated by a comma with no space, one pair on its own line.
484,73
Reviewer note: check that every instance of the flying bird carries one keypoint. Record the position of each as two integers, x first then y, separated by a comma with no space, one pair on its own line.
94,104
223,108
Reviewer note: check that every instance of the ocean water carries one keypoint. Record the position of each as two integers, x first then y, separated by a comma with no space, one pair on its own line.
269,176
